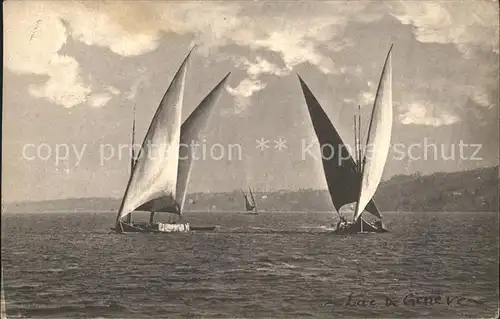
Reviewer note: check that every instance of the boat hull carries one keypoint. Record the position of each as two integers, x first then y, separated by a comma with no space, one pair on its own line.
162,228
355,228
153,228
203,228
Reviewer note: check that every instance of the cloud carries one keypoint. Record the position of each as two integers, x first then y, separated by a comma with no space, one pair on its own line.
252,84
470,25
417,113
243,91
296,39
349,101
358,70
130,28
479,95
246,88
294,49
131,94
473,28
33,39
366,98
261,66
113,90
125,28
99,100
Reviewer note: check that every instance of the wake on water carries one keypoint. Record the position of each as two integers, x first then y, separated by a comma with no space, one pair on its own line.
268,230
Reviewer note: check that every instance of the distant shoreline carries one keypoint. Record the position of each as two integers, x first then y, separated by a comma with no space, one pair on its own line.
467,191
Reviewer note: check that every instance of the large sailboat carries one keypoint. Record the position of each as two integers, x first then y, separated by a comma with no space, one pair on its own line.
349,180
158,180
250,205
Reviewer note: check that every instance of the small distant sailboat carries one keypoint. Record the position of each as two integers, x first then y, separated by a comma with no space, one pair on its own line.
348,180
158,181
250,205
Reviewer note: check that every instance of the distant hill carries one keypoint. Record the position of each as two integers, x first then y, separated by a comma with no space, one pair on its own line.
475,190
467,191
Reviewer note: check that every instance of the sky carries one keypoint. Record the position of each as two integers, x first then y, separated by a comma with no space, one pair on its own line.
74,71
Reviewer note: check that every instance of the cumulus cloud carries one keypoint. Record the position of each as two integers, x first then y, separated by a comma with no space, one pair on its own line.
252,84
479,95
418,113
36,31
470,25
113,90
261,66
141,80
296,41
33,39
473,28
130,28
244,91
99,100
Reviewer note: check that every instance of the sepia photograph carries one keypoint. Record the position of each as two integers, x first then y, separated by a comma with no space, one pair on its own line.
250,159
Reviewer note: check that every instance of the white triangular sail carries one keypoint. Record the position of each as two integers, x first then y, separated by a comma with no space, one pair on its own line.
248,205
253,198
190,131
155,172
378,140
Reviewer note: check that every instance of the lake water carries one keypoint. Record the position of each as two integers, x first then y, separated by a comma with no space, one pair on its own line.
273,265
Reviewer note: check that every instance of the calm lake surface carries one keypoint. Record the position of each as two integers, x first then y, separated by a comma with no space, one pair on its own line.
273,265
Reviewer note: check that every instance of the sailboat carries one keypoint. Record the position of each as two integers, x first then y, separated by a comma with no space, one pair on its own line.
250,205
158,181
355,181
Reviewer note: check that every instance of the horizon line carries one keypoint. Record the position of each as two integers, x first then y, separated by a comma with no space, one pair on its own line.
237,190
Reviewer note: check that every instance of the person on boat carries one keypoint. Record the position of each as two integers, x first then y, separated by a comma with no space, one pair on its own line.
341,223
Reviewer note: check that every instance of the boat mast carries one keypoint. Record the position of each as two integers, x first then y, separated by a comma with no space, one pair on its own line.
132,158
359,137
356,142
359,159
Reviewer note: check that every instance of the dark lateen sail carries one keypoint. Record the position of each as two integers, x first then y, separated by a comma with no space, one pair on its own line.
341,173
